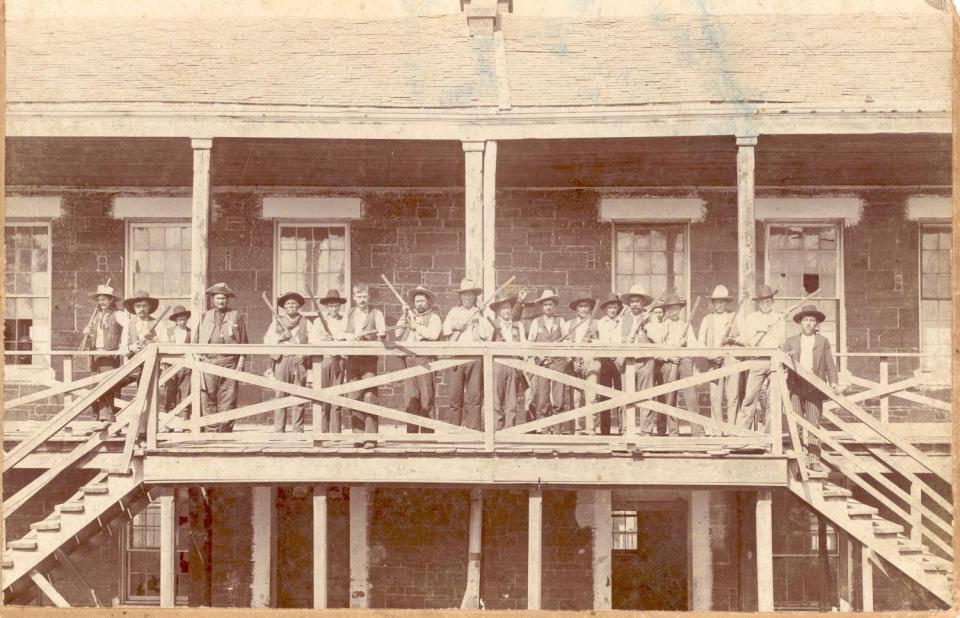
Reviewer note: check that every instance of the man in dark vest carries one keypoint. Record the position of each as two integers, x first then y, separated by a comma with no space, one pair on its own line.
139,332
422,324
466,381
549,395
328,369
363,323
632,331
221,325
104,333
810,350
506,328
178,385
289,328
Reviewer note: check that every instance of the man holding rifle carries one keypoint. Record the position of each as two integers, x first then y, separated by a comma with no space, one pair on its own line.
328,369
363,323
221,325
419,323
103,334
139,332
714,329
583,330
677,333
633,331
548,395
462,325
290,327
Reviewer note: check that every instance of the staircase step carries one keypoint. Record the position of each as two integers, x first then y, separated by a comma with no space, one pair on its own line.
836,492
47,525
24,544
882,527
7,563
858,510
911,549
95,488
71,507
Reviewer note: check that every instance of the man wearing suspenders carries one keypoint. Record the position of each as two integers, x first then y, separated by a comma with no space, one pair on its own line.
363,323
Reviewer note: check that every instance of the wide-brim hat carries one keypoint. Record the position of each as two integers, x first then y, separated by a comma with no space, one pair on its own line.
634,292
546,295
586,299
138,296
809,310
672,299
333,296
220,288
178,311
764,291
104,290
503,302
613,299
420,290
721,293
468,286
287,296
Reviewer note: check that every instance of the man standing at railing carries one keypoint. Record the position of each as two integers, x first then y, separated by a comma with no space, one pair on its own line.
139,331
810,350
178,385
677,333
608,333
761,329
289,328
221,325
328,369
714,328
106,328
419,324
632,332
363,323
466,381
548,395
584,329
506,328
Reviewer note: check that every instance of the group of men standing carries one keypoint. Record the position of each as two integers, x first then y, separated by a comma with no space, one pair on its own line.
634,317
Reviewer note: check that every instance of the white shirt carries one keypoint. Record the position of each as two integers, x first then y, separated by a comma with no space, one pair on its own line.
678,334
713,327
140,329
609,330
181,335
471,333
337,325
506,331
774,333
806,350
360,320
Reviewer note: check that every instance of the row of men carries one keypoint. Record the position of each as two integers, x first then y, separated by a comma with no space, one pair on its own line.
633,317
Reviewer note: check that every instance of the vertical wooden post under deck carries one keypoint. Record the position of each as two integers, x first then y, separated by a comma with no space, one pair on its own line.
845,568
359,548
264,550
866,572
320,547
471,596
489,278
534,547
168,548
746,225
473,209
602,549
764,521
701,565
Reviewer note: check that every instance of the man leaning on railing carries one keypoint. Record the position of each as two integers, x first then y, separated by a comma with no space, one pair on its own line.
221,325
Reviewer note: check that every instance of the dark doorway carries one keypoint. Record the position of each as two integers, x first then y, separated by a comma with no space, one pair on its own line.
650,557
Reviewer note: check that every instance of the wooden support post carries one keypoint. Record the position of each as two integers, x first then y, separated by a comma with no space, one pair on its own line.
320,547
630,386
473,208
866,577
884,380
534,547
778,395
152,404
826,582
701,564
602,549
264,550
48,589
764,520
845,568
67,378
200,223
201,551
746,226
489,422
471,596
168,547
68,564
359,548
916,514
489,278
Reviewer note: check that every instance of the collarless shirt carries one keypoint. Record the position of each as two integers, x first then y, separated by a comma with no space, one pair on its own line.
470,334
806,350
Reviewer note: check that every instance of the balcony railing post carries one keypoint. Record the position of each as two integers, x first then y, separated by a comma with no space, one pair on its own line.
630,386
489,423
67,377
153,404
196,395
777,398
884,380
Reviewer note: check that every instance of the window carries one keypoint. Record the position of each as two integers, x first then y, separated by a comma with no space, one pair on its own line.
312,257
800,259
141,555
158,259
797,570
26,320
653,256
625,530
935,305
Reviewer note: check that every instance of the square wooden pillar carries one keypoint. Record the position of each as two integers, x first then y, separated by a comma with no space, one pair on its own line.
168,547
746,221
480,185
359,547
602,549
534,547
263,554
700,557
764,523
320,547
202,149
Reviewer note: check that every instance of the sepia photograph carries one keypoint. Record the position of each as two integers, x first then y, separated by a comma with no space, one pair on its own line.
496,305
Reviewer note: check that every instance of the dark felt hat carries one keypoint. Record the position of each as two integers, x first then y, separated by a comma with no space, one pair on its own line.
138,296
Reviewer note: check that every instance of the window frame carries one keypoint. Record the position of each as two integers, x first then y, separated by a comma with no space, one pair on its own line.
29,373
123,539
841,288
933,378
307,309
128,251
651,223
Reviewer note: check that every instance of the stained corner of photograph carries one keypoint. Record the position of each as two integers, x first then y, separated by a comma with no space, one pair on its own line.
479,305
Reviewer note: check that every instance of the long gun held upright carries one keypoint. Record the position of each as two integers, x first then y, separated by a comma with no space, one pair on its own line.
319,310
733,320
153,327
273,309
783,314
87,330
476,310
587,320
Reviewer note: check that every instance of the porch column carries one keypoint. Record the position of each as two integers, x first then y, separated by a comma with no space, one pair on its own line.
168,547
701,565
201,215
263,554
534,547
764,551
489,217
746,226
320,547
359,548
866,575
602,549
471,596
473,209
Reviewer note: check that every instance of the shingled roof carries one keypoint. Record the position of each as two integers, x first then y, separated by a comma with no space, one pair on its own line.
848,62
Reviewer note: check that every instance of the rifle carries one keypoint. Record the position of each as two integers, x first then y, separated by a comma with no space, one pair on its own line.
759,335
323,320
481,307
727,332
573,329
273,309
150,331
86,336
407,309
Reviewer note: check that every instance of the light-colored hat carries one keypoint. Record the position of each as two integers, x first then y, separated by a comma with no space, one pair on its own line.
809,310
138,296
104,290
636,290
468,286
764,291
721,293
591,301
547,294
220,288
294,295
420,290
333,296
671,299
178,311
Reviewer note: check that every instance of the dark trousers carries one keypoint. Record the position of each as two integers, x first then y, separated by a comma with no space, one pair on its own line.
807,401
289,369
669,372
328,372
418,393
550,397
609,376
646,378
466,397
505,397
359,368
176,388
104,408
220,394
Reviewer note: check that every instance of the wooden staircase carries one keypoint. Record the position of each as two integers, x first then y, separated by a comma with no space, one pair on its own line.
883,537
106,496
